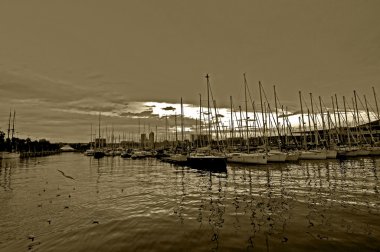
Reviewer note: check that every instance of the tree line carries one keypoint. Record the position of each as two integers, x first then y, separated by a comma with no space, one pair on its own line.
25,145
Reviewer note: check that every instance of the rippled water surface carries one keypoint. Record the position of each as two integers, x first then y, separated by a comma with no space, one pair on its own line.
70,202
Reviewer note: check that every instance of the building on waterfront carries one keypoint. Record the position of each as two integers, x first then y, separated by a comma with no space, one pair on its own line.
151,139
100,142
199,139
143,140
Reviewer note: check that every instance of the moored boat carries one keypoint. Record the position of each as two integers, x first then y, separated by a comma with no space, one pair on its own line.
140,154
331,153
89,152
99,153
313,155
247,158
292,156
362,152
374,151
276,156
126,153
177,158
9,155
207,162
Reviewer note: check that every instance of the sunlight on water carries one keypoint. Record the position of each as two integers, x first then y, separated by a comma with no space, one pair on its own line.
114,204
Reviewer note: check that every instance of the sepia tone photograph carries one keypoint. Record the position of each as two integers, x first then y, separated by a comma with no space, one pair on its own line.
203,125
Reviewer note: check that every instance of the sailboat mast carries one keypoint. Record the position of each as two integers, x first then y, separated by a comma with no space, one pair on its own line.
9,124
240,128
246,110
303,121
91,137
99,132
182,121
329,126
200,120
13,126
176,128
276,122
337,110
216,125
262,115
313,119
275,105
369,119
323,118
166,128
283,126
309,131
196,128
377,107
348,128
356,119
232,122
356,107
208,109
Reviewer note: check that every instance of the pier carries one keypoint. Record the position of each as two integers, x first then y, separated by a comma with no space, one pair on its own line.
38,154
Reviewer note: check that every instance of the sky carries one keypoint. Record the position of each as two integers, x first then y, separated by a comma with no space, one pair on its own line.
63,62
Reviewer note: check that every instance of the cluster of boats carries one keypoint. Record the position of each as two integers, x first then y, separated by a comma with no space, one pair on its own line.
208,159
263,139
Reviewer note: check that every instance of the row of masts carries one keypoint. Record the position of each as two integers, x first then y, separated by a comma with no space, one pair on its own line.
270,121
11,131
317,124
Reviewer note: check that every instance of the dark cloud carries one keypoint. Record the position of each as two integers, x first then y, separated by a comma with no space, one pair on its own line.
146,113
169,108
94,76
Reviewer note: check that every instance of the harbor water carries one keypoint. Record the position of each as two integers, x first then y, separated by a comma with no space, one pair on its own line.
70,202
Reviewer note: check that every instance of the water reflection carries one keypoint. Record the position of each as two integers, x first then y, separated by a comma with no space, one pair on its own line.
305,205
6,170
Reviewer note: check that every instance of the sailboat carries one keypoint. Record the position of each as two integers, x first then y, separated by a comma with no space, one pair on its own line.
273,155
204,158
246,158
315,154
99,152
178,158
11,153
90,152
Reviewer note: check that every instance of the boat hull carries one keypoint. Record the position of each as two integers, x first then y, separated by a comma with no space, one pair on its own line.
362,152
313,155
331,153
374,151
209,163
89,153
177,159
126,155
245,158
99,154
354,152
292,156
276,156
9,155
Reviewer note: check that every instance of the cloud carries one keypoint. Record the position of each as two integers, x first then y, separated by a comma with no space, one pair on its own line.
150,106
169,108
94,76
143,114
23,84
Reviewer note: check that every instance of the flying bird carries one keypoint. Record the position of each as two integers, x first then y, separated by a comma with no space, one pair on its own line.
66,175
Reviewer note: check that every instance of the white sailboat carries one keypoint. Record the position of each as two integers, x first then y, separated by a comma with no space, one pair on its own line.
305,154
247,158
